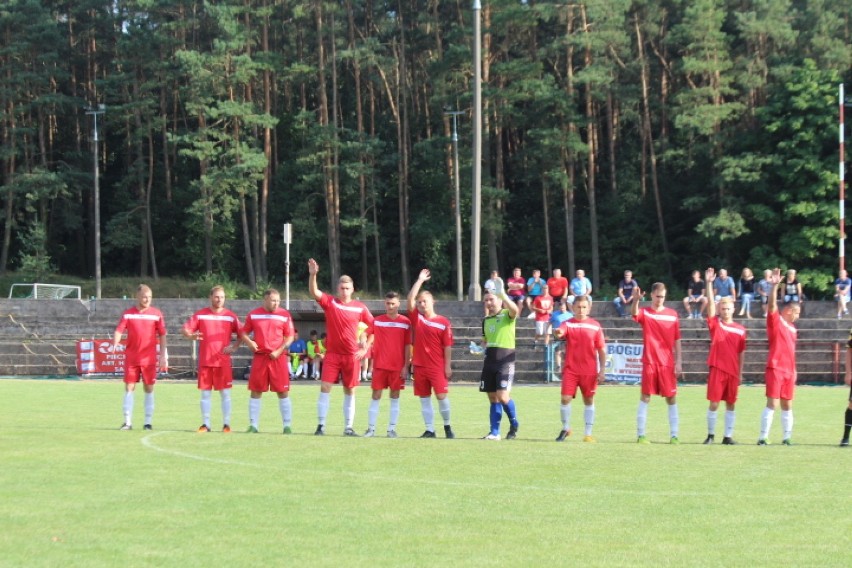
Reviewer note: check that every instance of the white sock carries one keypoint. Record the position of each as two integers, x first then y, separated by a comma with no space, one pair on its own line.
302,370
373,413
205,407
349,409
254,411
226,405
428,413
286,410
711,422
766,422
589,416
674,422
149,407
444,407
565,414
787,423
730,418
322,407
641,418
128,407
394,413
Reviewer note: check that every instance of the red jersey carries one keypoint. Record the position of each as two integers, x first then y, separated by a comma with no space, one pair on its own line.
391,337
341,324
583,339
556,286
143,332
544,302
432,336
660,330
519,280
216,330
727,341
270,328
782,343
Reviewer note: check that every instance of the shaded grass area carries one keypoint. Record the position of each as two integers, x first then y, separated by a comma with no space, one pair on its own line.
75,491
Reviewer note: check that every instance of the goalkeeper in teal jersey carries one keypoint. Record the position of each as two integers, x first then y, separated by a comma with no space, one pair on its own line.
498,370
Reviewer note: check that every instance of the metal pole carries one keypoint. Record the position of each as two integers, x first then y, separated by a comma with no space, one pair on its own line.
474,291
288,238
457,209
97,202
842,201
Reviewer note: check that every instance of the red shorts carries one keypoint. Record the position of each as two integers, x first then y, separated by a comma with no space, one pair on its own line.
427,380
384,379
722,386
148,373
269,374
780,384
658,380
344,369
588,384
215,378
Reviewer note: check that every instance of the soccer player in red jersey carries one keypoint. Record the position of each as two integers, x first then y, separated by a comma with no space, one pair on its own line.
391,360
661,358
781,362
727,350
213,328
585,364
268,331
146,328
433,355
342,361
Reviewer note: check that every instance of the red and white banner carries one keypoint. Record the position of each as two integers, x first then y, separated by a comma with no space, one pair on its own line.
95,357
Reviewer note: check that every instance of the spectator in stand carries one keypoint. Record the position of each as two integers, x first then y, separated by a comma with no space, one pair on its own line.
560,314
316,350
517,286
580,286
557,285
724,286
695,302
491,285
792,288
625,294
543,307
745,291
534,290
763,289
298,358
842,286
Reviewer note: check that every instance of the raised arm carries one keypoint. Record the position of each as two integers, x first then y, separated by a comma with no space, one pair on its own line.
313,289
634,306
415,289
775,280
508,303
709,279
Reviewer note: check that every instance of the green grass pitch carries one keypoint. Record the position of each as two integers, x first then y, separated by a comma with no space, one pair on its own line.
76,491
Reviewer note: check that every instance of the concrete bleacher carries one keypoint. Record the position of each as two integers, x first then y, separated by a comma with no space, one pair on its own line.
38,337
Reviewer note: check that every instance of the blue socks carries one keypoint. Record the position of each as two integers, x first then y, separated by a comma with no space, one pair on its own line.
509,409
496,415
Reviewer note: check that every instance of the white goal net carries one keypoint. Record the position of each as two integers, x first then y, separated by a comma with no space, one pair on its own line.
38,291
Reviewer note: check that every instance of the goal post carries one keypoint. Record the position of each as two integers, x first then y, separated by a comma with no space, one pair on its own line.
38,291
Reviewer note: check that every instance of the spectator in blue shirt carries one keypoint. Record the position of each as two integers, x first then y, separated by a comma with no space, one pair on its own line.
724,286
298,358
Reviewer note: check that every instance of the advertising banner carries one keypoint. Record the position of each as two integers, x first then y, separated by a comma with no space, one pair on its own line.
95,358
624,362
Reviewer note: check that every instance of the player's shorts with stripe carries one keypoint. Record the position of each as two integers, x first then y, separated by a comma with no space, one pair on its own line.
722,386
339,368
588,384
148,373
426,381
658,380
215,378
780,383
269,374
387,379
497,377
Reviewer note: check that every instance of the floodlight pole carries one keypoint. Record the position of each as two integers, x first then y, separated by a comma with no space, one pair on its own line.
474,291
457,209
97,201
288,239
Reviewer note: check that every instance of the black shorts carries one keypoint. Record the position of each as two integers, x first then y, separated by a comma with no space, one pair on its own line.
850,394
498,378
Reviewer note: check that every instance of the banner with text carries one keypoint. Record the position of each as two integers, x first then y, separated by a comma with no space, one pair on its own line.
95,357
624,362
